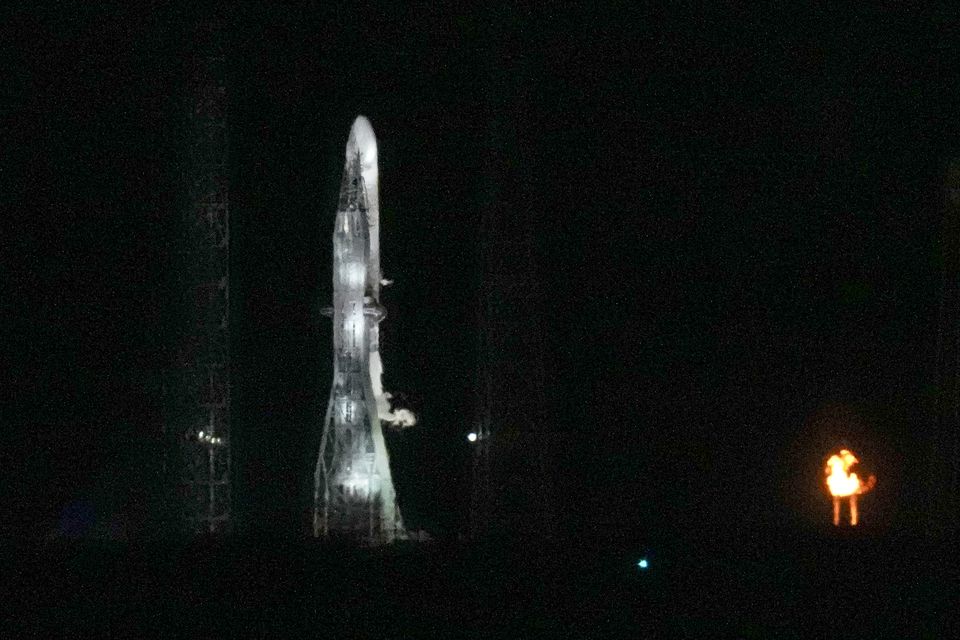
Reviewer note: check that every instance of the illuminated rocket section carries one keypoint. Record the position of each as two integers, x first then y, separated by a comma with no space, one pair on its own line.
354,496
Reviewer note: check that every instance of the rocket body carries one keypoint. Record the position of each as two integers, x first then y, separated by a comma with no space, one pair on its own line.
354,495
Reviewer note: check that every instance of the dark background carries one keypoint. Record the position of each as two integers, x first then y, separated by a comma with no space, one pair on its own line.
737,221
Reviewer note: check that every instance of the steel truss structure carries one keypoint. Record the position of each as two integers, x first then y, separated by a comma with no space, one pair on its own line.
512,487
200,419
943,456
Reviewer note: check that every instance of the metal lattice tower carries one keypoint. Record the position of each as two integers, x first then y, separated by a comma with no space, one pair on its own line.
512,495
943,483
200,421
512,492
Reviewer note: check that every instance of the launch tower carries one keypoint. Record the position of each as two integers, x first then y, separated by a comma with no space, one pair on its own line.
198,402
511,493
943,463
354,496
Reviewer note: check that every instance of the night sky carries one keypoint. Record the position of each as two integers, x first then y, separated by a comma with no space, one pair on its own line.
736,216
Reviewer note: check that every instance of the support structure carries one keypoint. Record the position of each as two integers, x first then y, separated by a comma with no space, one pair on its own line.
512,488
943,460
198,421
511,493
354,497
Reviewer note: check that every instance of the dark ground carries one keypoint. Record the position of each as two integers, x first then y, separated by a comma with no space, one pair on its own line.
795,585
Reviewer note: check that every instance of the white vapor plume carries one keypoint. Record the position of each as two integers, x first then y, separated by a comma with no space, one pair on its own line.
400,418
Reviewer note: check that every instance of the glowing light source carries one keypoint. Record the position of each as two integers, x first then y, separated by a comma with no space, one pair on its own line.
643,564
472,436
361,484
208,438
843,484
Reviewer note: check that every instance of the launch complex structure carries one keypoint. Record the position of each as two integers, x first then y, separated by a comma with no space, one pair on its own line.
943,453
354,497
197,390
512,480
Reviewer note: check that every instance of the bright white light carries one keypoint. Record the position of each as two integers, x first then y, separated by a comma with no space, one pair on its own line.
360,484
643,564
472,437
353,274
200,435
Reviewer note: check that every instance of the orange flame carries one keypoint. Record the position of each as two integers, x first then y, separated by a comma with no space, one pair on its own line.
843,484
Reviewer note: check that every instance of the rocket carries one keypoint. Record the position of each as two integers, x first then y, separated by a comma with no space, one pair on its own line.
354,497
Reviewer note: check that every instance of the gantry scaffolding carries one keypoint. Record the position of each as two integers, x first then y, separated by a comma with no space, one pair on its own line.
943,461
512,487
198,421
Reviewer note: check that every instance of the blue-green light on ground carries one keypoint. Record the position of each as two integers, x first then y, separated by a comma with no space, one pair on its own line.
643,564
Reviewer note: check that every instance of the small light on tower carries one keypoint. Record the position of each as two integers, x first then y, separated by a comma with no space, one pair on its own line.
843,484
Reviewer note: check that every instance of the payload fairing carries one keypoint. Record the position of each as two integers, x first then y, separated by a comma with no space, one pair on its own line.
354,495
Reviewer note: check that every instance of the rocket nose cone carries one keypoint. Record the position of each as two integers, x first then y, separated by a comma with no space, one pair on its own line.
361,126
363,141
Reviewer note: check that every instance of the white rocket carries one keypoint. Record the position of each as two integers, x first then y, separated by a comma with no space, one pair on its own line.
354,495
